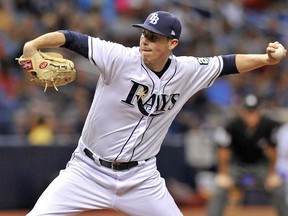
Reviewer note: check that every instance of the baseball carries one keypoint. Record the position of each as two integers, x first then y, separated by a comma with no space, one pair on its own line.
279,53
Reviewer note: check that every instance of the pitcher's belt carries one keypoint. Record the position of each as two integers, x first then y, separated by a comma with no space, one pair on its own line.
119,166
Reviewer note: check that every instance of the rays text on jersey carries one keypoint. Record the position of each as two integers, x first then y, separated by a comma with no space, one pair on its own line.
153,104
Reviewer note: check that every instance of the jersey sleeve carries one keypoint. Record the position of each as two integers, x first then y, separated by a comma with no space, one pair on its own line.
208,69
273,128
222,137
203,71
229,65
107,56
76,42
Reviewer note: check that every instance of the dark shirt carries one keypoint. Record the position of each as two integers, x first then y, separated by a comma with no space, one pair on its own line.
248,146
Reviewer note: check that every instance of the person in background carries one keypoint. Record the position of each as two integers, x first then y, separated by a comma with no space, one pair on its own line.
41,133
247,148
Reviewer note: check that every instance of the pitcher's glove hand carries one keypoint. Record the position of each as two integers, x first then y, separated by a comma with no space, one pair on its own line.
49,69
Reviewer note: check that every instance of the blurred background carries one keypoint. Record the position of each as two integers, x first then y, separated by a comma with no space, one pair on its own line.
39,131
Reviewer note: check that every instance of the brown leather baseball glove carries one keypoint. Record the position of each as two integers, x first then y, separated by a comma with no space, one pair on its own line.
49,69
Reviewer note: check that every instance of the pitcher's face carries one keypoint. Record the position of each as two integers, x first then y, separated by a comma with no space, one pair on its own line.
154,47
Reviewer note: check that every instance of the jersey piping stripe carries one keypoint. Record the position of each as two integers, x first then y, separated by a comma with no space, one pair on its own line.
149,77
217,74
92,51
152,91
138,122
141,139
170,78
128,139
140,119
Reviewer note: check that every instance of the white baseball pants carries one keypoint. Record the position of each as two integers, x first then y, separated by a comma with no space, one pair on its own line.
85,185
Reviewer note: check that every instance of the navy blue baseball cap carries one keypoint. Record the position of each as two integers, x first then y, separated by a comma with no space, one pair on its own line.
163,23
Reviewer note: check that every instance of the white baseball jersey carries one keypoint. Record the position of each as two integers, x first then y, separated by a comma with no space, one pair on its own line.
128,120
132,107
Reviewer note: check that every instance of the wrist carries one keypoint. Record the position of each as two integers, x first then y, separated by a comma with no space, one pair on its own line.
29,49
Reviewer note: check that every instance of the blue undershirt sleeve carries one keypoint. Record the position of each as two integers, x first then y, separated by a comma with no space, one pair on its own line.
229,65
76,42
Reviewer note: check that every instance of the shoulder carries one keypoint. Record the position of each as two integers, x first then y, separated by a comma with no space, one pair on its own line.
211,65
111,49
235,124
269,122
96,41
199,60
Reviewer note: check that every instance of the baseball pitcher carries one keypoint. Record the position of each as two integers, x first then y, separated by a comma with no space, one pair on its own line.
140,91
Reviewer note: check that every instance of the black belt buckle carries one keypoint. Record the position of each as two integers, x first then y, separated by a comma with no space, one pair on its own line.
116,165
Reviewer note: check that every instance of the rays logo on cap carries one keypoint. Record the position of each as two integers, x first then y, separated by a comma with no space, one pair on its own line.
163,23
154,18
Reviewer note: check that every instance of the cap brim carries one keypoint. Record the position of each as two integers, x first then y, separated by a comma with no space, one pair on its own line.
149,28
251,107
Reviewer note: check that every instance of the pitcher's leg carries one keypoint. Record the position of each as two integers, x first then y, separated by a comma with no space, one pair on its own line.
151,197
73,191
57,199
